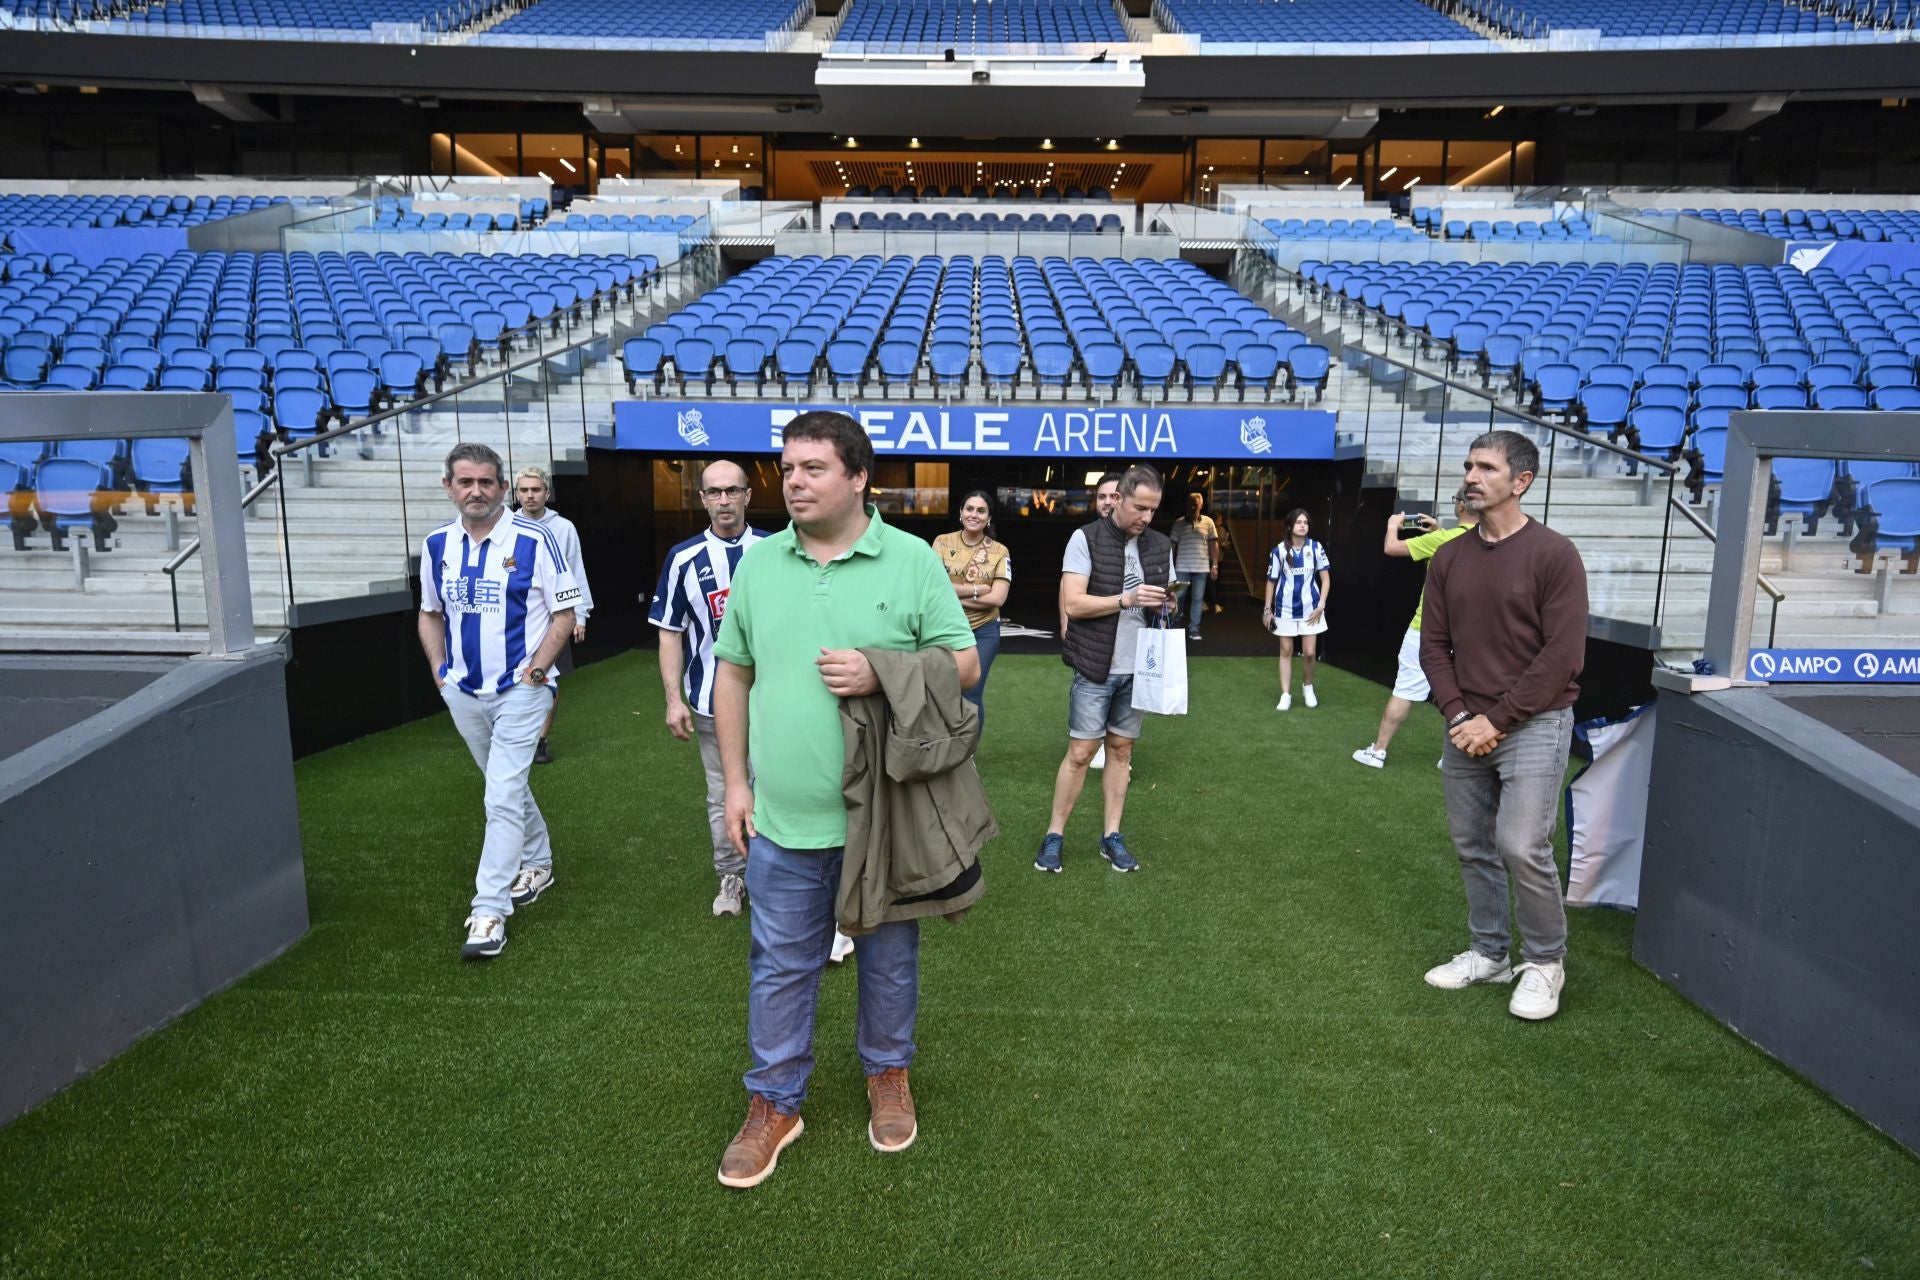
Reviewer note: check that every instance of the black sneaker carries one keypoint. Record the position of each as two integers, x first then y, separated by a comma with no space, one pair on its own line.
1049,859
541,755
1114,849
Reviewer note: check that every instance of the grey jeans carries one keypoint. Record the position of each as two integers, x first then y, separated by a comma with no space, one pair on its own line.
1501,808
726,859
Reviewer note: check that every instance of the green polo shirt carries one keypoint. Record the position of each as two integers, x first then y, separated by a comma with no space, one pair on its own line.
888,591
1422,549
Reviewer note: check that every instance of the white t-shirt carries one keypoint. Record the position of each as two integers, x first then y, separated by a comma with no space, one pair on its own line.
1079,559
1192,539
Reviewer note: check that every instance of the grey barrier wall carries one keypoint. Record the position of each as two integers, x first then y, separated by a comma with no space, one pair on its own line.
152,852
1782,864
257,232
1709,241
38,700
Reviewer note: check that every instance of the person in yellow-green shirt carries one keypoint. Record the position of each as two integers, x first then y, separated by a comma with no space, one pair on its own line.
1410,682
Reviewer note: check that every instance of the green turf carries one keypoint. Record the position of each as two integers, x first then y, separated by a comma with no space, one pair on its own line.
1225,1064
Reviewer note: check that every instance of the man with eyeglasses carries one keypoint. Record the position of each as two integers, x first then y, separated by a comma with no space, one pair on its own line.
688,607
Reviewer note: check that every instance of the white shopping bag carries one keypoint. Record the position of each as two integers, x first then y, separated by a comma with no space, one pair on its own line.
1160,671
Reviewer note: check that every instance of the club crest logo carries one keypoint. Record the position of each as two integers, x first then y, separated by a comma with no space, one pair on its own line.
691,429
1253,434
1804,260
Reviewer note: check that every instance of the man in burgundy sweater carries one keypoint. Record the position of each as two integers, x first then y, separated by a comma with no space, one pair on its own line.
1504,639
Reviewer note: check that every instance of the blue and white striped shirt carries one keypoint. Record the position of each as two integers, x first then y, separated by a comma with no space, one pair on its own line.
692,599
497,595
1295,573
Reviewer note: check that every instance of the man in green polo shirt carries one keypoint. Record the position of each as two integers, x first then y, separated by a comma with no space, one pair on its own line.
1410,682
802,605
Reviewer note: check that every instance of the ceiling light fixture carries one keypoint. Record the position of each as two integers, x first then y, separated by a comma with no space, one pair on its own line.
1389,173
1344,184
568,165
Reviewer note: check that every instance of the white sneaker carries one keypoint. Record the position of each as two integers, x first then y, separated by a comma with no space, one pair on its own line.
1467,968
1285,703
842,947
1371,756
530,884
732,889
1537,997
486,937
1306,692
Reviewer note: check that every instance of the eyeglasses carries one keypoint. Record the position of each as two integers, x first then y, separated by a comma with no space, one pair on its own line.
725,493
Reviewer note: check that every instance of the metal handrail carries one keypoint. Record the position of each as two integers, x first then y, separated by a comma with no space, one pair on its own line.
1580,437
284,450
1693,518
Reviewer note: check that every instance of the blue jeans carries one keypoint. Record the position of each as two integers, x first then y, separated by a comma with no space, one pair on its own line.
987,637
792,892
1196,601
1502,808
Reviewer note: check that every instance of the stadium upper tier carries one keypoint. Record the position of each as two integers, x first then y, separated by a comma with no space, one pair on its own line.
1873,225
724,21
132,211
975,25
1309,21
1082,328
279,15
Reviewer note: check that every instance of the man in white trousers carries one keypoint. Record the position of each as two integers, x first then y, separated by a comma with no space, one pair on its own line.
496,607
533,490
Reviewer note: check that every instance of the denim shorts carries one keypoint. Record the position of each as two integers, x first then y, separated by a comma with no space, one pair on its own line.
1095,710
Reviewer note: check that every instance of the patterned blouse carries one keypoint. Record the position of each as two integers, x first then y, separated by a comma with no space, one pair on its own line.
980,566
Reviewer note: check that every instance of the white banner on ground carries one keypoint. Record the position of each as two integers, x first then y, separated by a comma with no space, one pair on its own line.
1607,810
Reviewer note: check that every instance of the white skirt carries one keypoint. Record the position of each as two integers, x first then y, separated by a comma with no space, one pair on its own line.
1289,627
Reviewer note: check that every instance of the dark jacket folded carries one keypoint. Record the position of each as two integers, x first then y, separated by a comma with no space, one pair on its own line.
917,813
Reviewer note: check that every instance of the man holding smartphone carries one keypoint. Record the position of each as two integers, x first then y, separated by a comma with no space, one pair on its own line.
1115,576
1410,682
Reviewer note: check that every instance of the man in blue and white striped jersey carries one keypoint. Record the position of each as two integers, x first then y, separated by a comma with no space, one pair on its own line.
687,608
496,606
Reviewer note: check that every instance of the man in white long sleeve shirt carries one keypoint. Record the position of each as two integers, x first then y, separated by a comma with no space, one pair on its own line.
533,489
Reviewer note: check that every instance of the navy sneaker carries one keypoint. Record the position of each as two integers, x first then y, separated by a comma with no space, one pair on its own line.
1114,849
1049,859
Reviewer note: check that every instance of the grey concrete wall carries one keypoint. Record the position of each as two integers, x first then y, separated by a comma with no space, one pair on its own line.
257,232
152,853
1782,867
40,696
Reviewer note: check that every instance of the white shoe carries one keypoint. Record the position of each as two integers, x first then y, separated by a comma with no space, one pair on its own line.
1306,692
1537,997
1371,756
842,947
486,937
530,884
1099,760
732,889
1285,703
1466,969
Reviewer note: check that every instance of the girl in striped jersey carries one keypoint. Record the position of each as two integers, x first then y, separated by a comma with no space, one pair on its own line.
1296,601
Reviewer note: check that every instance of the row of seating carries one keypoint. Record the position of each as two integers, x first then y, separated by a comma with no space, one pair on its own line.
1309,21
1083,224
1091,324
1048,194
78,484
966,25
301,337
734,20
1634,19
132,211
1339,229
1876,504
1435,223
314,15
1871,225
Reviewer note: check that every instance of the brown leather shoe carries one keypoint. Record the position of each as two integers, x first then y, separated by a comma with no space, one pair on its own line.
756,1149
893,1127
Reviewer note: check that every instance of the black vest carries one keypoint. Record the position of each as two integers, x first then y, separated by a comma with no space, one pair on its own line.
1088,644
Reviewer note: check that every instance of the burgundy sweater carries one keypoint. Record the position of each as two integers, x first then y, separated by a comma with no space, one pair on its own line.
1505,630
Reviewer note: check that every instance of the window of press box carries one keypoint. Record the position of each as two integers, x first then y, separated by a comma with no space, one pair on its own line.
556,157
1479,164
1219,162
665,153
486,155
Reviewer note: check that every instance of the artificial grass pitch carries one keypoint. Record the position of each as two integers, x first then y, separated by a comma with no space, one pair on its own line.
1225,1064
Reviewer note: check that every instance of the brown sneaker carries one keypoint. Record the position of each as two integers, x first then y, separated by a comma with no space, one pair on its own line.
756,1149
893,1127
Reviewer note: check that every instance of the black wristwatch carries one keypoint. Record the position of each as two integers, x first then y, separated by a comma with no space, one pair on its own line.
1460,719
